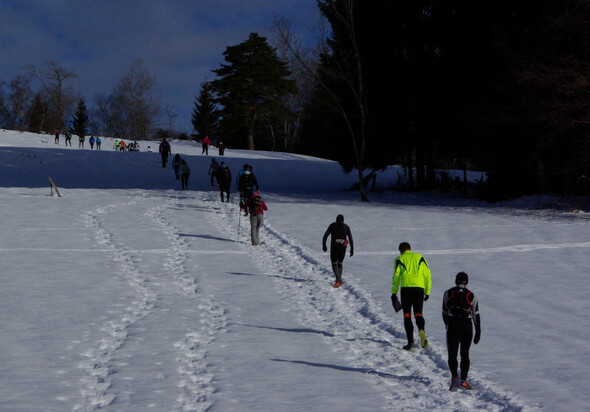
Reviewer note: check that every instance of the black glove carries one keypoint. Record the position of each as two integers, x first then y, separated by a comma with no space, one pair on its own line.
426,297
476,337
351,252
393,297
325,248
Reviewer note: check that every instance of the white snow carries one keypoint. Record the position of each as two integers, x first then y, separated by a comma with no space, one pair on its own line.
129,294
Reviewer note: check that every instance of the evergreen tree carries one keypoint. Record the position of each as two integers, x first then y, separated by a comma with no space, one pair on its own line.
80,120
38,114
250,87
205,117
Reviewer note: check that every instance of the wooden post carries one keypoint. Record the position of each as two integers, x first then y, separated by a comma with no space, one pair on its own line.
53,186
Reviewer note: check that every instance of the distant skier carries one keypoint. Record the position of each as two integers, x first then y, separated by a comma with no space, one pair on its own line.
81,141
98,142
224,180
68,138
341,237
213,171
460,312
164,150
412,271
116,145
221,147
184,174
56,141
256,208
247,185
205,144
91,141
176,164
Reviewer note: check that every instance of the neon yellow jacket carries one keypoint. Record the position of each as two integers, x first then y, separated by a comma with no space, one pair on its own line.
411,269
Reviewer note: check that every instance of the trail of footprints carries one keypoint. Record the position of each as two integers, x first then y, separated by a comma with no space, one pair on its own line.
195,383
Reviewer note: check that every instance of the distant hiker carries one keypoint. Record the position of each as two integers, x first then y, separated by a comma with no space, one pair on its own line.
205,144
247,185
81,141
341,237
56,141
116,145
91,141
213,167
176,164
412,271
164,150
460,312
256,208
68,138
184,174
122,145
224,180
98,142
221,148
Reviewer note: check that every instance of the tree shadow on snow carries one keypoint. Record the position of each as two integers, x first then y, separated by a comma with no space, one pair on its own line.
369,371
291,330
298,280
208,237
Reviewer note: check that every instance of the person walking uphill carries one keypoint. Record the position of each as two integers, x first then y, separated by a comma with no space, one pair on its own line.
247,185
256,207
460,312
412,272
185,172
164,150
341,237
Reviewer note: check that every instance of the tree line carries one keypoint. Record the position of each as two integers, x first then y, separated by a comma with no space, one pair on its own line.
489,85
132,110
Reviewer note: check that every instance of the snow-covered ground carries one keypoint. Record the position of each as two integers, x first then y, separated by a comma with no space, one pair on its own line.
128,294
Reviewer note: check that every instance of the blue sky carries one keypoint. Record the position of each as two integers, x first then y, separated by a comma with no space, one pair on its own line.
179,41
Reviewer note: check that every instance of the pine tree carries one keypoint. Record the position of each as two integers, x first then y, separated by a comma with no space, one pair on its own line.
205,117
251,86
80,120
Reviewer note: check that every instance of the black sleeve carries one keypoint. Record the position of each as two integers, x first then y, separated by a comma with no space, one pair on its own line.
328,231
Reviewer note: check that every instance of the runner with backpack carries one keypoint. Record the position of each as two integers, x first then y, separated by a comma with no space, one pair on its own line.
460,311
256,207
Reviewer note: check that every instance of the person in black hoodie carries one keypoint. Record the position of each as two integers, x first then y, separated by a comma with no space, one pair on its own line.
341,237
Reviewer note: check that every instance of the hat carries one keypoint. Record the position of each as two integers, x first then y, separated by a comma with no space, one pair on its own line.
461,278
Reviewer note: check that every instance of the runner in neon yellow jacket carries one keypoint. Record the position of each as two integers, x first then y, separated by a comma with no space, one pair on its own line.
413,273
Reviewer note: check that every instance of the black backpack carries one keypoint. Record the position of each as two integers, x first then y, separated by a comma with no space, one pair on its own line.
460,302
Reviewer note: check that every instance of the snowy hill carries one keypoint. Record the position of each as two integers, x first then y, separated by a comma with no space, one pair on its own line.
128,294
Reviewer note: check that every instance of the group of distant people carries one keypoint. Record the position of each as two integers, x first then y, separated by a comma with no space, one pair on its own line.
81,139
122,146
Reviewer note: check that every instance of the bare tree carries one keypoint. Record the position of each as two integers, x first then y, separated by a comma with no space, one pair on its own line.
61,96
20,99
346,69
135,101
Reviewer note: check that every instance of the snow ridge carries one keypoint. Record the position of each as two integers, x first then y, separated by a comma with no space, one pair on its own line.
360,329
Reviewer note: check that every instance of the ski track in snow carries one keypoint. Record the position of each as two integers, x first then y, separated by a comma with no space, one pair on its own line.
356,325
195,385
